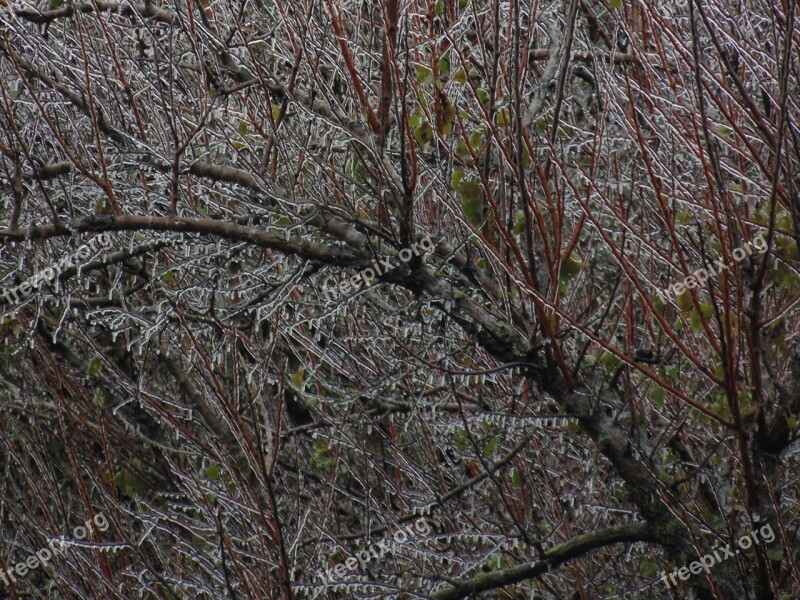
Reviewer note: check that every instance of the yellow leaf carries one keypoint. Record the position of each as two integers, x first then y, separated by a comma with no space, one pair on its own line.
297,379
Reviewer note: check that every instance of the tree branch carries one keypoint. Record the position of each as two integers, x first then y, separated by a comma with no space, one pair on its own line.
552,558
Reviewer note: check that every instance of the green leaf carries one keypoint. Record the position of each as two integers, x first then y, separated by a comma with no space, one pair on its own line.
684,301
515,478
570,267
423,134
297,378
749,414
243,129
99,399
542,123
647,568
658,396
129,483
213,472
322,453
102,206
461,439
483,96
565,131
476,139
775,554
527,161
472,201
721,406
694,320
424,74
503,117
458,175
461,76
519,222
444,63
543,526
447,115
56,3
719,371
356,169
489,448
495,562
416,118
791,422
658,303
95,366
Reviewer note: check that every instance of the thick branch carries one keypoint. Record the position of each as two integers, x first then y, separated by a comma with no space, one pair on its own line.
574,548
146,10
300,247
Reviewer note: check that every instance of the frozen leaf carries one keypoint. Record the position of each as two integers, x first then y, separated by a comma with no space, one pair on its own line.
424,74
95,366
471,193
570,267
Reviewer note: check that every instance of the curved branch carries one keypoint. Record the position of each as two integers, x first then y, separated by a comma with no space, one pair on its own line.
146,10
552,558
254,235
